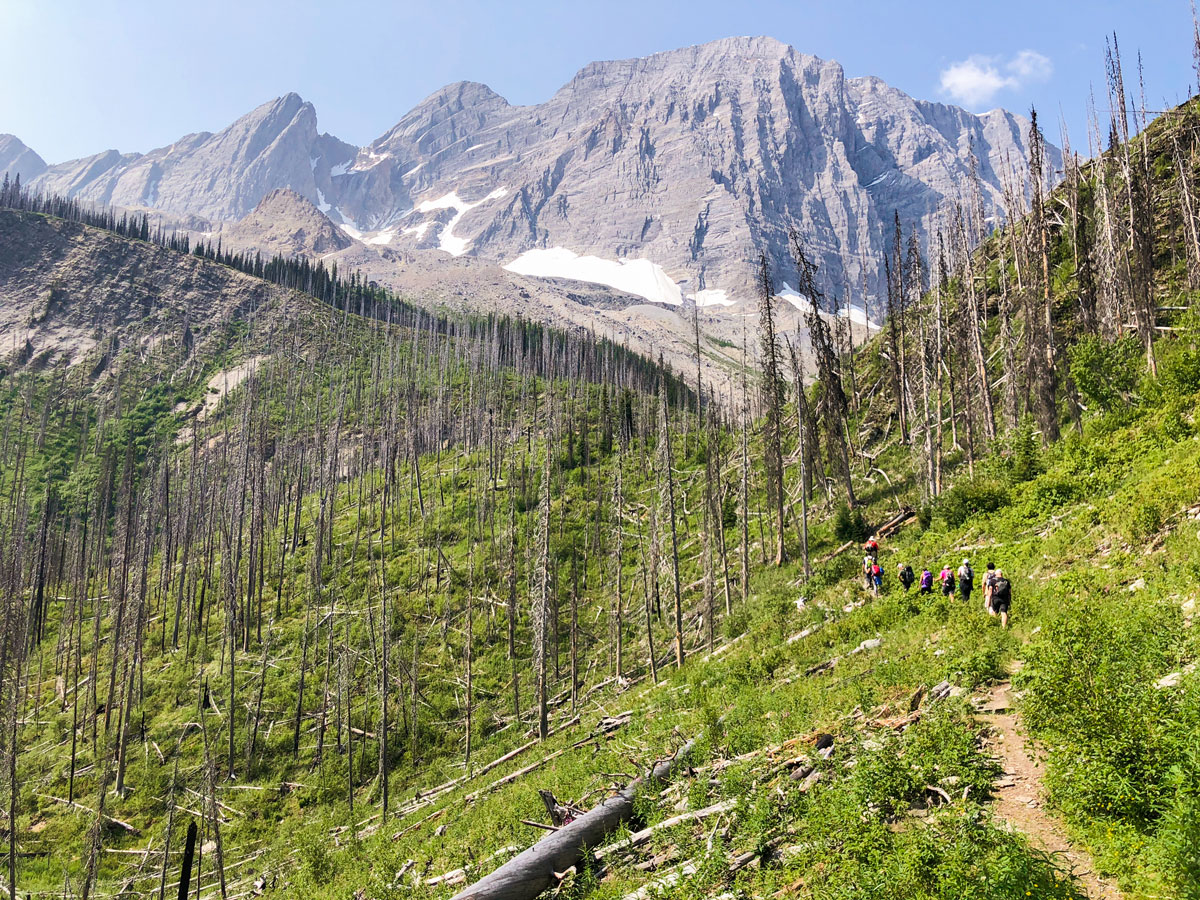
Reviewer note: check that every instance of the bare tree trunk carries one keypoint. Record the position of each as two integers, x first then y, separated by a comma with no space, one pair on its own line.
668,475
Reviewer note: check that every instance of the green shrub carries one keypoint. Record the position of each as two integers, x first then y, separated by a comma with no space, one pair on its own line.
1181,826
1025,460
924,516
1051,493
1089,690
1176,423
849,524
729,511
1106,372
971,498
1179,373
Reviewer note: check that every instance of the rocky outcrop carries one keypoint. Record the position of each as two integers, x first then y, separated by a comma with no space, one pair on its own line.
285,223
69,294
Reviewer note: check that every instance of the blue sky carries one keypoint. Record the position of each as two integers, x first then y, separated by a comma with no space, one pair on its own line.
82,76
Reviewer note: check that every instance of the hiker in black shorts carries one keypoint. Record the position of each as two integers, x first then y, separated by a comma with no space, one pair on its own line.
946,576
966,580
1001,597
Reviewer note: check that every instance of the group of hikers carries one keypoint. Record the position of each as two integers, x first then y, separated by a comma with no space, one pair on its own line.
997,589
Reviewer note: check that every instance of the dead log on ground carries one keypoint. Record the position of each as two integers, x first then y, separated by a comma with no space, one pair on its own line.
530,873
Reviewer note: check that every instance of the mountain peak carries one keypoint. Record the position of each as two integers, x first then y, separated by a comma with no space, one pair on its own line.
282,109
287,223
17,159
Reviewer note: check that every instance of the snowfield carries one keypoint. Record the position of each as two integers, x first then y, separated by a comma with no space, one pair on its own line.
712,297
640,277
447,240
855,314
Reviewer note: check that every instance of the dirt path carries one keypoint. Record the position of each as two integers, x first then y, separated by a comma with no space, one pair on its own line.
1021,798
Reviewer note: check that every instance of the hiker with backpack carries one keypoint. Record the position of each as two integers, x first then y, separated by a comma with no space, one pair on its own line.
1001,597
946,576
877,578
989,581
906,576
966,580
926,581
868,564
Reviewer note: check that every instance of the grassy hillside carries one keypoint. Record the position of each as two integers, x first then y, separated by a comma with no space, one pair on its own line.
223,558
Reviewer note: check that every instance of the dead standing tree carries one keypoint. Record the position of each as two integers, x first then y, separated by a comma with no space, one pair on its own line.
834,406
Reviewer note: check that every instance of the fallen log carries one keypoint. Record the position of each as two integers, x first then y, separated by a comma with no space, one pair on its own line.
640,837
108,820
894,523
838,552
527,875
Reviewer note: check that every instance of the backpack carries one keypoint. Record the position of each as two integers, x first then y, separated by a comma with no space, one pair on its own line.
967,577
948,578
907,574
876,570
1001,589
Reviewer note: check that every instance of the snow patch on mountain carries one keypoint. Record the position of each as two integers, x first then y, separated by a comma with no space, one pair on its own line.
347,225
640,277
794,297
368,159
447,240
711,297
856,314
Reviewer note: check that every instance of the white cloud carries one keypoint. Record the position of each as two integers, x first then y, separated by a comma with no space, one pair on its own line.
1029,66
977,79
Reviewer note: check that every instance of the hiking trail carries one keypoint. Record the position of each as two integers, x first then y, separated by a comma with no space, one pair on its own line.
1021,798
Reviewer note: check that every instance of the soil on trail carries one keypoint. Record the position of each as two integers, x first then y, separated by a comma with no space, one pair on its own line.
1020,798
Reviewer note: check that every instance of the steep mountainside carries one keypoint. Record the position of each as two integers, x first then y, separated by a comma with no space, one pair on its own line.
17,159
688,161
58,281
219,176
288,224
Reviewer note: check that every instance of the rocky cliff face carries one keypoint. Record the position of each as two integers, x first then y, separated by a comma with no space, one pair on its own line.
690,161
17,159
219,176
693,159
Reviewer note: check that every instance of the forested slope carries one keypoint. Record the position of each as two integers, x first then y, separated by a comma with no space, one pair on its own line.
346,585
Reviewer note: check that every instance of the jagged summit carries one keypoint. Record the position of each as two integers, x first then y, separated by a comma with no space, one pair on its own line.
17,159
217,176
